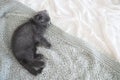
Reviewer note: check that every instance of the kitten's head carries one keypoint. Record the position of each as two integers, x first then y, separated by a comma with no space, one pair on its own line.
42,18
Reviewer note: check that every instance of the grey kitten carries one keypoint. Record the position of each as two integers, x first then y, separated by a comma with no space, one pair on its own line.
26,38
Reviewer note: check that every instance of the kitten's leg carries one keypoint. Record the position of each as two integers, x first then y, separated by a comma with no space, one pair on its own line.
29,68
37,61
38,65
33,65
30,62
45,43
24,57
40,56
42,41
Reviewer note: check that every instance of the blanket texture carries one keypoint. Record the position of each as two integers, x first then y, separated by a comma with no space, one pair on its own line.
68,59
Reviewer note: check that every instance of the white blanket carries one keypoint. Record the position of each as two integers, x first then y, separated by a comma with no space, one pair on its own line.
95,21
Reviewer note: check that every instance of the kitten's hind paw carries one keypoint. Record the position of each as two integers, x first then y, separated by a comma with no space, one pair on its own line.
40,70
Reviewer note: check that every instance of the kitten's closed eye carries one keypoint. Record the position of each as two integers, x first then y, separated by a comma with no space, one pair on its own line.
38,17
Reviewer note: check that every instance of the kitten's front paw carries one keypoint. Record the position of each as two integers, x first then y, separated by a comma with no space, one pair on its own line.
48,46
39,56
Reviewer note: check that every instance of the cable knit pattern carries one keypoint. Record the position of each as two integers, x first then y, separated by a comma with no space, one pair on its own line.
69,58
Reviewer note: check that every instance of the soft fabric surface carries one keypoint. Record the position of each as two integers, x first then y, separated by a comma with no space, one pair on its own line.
69,58
96,21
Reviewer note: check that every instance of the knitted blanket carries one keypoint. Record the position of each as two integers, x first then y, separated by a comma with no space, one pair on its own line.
69,58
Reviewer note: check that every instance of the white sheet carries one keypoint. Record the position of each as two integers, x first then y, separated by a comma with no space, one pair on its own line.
95,21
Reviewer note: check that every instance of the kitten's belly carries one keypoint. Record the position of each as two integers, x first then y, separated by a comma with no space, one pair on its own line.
22,43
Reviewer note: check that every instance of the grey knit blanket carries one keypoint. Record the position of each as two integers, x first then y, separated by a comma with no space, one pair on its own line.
68,59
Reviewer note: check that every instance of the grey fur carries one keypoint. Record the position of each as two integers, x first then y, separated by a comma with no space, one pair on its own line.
25,40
